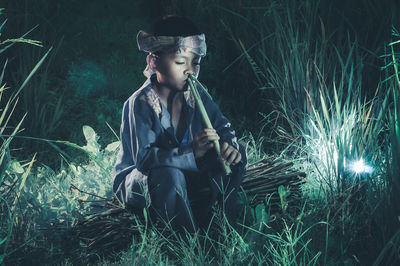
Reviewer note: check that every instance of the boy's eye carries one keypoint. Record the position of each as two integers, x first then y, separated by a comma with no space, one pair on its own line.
181,63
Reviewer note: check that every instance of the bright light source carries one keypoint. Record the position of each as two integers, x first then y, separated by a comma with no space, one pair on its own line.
360,167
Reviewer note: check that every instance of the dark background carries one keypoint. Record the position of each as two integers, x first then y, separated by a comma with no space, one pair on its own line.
95,66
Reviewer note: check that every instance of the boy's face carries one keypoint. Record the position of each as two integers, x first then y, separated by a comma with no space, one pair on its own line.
173,69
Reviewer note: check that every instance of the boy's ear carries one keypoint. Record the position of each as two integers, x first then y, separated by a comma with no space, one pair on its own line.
151,62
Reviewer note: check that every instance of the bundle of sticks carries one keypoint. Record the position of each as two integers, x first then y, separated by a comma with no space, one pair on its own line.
102,230
271,181
108,230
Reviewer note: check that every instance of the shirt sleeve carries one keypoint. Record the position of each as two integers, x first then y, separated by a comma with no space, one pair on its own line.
140,144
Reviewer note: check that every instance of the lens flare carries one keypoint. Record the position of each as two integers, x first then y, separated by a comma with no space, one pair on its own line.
360,167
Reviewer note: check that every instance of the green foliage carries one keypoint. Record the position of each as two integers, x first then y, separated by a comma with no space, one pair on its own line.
8,180
254,147
63,198
43,113
326,122
5,226
392,83
221,244
283,194
316,72
43,105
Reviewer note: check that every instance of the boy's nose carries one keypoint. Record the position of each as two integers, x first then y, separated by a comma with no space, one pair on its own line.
187,74
189,70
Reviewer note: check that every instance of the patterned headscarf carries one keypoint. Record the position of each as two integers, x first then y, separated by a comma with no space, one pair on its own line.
150,43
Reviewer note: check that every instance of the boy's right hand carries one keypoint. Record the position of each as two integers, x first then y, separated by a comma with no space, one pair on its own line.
203,141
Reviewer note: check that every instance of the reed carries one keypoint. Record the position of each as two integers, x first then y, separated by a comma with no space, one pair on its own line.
389,252
330,123
11,171
193,83
327,122
44,105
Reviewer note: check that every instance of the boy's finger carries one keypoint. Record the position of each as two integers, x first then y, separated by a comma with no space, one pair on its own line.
206,139
206,131
202,134
238,158
210,130
227,152
224,146
231,157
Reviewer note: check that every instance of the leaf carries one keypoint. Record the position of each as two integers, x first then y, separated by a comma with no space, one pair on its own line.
16,167
281,191
112,146
91,138
90,134
283,195
31,74
145,214
259,212
84,198
24,177
322,30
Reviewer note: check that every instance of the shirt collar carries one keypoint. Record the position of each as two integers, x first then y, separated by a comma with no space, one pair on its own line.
154,101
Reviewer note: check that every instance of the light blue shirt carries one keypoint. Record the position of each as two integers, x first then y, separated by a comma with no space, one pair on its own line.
148,141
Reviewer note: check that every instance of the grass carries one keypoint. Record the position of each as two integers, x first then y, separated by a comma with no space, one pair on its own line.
390,251
43,105
8,195
325,116
49,98
328,119
52,205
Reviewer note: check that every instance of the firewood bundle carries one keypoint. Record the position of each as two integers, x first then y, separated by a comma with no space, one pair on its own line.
272,181
110,229
262,183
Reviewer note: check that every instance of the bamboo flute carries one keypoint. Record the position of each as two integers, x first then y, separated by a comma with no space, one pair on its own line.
206,119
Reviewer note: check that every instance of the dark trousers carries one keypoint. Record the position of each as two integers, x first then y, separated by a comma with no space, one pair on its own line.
185,199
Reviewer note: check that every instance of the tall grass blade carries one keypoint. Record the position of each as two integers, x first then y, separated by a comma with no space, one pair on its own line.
6,239
31,74
12,43
2,72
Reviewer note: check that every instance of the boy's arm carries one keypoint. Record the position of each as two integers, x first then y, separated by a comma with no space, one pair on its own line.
139,147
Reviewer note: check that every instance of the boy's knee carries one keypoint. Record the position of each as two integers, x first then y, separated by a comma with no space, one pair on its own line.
167,177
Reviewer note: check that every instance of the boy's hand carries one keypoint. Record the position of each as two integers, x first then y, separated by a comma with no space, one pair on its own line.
203,141
230,154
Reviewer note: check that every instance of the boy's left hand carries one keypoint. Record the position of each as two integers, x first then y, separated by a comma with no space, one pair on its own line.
230,154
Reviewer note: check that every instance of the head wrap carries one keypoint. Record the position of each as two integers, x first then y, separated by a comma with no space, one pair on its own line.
150,43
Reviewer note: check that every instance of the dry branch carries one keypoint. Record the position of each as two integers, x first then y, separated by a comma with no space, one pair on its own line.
108,228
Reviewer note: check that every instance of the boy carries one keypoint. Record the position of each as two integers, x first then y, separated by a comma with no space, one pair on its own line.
166,154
